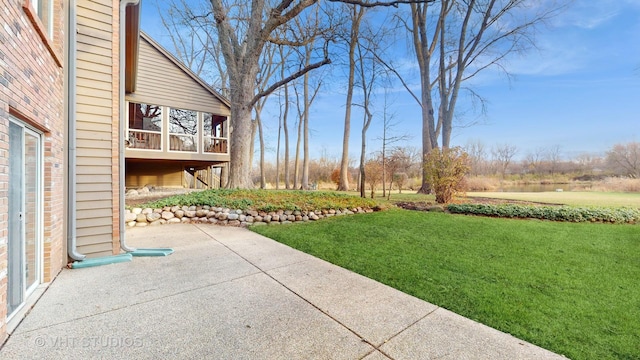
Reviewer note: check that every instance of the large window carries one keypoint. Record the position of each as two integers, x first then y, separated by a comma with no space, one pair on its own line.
162,128
145,126
214,138
183,130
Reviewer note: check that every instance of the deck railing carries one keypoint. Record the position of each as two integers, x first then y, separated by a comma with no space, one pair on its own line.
216,145
150,140
143,139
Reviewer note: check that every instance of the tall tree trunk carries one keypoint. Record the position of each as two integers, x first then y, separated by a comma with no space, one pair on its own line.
363,175
356,16
263,180
305,118
278,152
296,165
384,155
287,182
423,49
240,139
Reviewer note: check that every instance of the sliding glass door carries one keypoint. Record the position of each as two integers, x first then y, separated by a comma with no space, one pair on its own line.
25,212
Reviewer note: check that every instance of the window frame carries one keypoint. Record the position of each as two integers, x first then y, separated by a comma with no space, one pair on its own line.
159,132
44,30
196,137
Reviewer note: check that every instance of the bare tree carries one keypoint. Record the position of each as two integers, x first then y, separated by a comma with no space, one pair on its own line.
533,160
367,67
388,124
296,162
587,162
398,166
453,41
477,156
553,157
624,159
243,31
374,169
502,156
308,99
356,15
268,67
195,43
284,102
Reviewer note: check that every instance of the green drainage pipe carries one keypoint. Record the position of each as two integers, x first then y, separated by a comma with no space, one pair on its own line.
105,260
152,252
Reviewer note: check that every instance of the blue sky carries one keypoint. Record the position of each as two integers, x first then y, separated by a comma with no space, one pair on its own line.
580,90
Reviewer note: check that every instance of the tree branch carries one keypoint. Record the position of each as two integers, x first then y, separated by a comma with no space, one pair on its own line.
394,3
288,79
406,86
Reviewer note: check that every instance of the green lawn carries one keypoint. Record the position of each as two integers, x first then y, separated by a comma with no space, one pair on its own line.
577,198
570,288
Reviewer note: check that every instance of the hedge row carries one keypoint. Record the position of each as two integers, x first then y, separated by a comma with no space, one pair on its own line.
554,213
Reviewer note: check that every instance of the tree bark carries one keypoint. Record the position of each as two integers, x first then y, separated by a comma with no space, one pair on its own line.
305,119
296,165
424,49
263,179
286,138
356,17
240,164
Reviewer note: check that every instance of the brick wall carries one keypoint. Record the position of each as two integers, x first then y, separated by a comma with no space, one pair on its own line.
31,89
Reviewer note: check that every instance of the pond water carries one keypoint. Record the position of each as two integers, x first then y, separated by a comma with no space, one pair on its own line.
535,188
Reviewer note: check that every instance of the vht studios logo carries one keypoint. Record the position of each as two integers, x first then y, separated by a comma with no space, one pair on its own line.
88,341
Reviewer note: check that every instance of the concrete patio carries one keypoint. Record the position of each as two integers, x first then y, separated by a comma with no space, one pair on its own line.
228,293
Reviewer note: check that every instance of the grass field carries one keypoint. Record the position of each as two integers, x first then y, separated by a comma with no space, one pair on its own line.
574,198
568,198
570,288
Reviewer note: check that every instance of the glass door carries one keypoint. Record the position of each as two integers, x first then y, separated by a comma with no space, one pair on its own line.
25,229
32,226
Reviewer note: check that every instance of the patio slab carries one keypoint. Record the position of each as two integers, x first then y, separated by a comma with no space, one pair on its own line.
229,293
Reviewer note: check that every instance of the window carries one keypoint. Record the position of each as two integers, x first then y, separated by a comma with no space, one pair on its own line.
214,133
44,10
183,130
145,126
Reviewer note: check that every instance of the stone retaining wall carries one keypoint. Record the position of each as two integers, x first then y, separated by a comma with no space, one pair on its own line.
222,216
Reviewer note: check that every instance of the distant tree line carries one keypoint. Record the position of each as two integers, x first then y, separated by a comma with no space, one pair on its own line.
403,166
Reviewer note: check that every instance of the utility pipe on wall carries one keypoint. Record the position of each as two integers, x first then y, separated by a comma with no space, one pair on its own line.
121,127
72,250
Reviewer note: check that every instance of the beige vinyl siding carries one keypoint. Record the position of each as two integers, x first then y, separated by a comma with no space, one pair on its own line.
161,174
95,145
94,114
96,204
162,82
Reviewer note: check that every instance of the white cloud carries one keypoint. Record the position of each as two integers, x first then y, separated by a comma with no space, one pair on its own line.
592,14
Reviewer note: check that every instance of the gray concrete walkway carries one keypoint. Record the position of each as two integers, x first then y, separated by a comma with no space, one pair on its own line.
227,293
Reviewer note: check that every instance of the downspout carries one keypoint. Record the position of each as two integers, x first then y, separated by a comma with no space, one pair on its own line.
72,250
121,127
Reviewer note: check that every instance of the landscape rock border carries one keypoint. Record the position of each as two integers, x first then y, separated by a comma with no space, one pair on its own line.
140,217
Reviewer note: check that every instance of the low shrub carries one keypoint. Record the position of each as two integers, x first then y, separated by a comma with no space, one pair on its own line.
554,213
444,171
266,200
